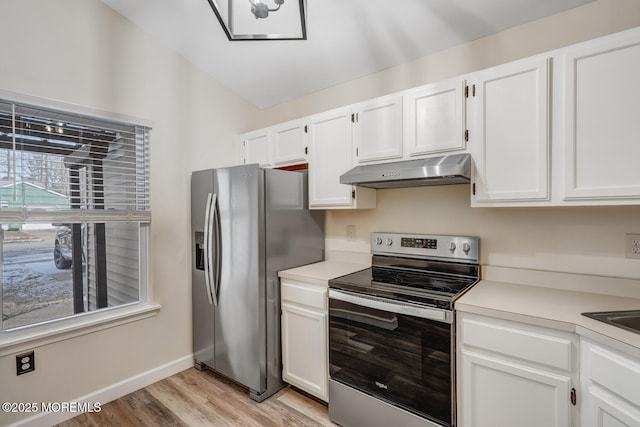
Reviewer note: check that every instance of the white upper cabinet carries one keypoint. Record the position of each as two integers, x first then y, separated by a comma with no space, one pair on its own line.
434,118
330,155
290,143
377,129
602,109
257,147
510,132
556,129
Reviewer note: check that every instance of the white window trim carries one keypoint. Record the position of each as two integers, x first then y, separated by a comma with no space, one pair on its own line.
37,335
32,336
20,339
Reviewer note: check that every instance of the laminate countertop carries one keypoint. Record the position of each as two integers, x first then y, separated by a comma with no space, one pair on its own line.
321,272
549,307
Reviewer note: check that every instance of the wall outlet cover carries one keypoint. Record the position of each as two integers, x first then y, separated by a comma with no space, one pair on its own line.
632,246
351,233
25,362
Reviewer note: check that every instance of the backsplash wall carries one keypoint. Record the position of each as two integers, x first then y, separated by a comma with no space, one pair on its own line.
586,240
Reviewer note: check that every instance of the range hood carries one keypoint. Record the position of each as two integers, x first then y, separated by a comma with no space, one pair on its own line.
443,170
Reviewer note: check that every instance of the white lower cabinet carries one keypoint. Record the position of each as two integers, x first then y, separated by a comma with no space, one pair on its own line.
610,385
304,337
514,374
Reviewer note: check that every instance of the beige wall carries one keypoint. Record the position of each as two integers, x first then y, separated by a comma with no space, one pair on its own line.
577,239
586,240
81,52
590,21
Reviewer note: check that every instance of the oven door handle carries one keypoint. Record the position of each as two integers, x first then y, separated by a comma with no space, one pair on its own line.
430,313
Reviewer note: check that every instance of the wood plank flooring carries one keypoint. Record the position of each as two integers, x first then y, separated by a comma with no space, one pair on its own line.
202,398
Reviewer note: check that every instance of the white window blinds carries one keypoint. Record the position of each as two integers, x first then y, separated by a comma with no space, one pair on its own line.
65,167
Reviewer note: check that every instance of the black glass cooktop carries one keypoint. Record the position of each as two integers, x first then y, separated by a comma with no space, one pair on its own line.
432,282
434,289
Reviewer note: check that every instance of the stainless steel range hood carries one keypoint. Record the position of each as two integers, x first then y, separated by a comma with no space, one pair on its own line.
450,169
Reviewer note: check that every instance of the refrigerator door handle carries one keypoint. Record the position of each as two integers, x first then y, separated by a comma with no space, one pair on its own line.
207,247
215,226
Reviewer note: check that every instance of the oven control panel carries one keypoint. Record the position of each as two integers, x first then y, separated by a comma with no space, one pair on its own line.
454,248
412,242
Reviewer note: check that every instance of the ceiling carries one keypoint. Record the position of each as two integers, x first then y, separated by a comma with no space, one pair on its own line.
346,39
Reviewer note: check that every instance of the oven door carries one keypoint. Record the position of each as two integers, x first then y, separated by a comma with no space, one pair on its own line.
397,352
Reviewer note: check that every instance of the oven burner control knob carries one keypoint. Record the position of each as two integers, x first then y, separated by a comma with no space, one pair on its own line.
378,240
452,247
389,242
466,248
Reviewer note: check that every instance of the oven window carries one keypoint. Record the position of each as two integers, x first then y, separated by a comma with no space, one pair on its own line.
401,359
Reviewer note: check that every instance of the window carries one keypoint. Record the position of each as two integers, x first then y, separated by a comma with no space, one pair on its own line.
74,211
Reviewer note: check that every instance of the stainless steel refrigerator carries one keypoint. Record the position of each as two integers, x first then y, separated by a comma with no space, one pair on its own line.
247,224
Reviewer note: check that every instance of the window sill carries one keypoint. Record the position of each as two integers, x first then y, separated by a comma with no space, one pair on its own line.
20,339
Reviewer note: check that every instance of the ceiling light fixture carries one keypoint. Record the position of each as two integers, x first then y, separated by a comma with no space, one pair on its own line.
252,20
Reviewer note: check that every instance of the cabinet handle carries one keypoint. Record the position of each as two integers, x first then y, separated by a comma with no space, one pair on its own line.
573,397
473,91
306,150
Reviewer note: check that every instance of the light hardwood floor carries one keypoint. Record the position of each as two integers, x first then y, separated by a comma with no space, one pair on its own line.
201,398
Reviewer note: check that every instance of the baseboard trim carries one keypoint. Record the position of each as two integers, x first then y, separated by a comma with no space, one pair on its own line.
111,392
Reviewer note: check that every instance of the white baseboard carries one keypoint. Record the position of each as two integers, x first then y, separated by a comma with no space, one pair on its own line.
111,392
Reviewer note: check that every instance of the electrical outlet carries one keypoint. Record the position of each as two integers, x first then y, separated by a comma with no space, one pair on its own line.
632,248
25,362
351,233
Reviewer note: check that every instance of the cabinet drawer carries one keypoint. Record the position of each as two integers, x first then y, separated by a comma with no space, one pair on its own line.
304,293
613,371
523,342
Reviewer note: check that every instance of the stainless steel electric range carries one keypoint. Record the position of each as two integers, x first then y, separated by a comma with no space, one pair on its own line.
392,331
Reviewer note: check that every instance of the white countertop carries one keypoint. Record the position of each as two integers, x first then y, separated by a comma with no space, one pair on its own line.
321,272
549,307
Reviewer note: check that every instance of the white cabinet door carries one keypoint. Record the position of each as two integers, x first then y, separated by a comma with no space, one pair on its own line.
330,155
434,118
377,129
510,134
304,349
602,92
606,410
514,374
289,143
610,384
257,147
496,392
